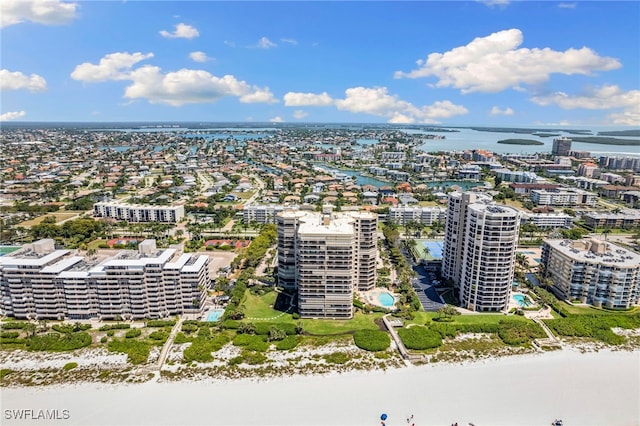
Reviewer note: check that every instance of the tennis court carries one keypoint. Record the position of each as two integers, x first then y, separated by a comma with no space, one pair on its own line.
429,249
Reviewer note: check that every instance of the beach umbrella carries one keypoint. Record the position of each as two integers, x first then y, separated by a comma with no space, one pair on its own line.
383,416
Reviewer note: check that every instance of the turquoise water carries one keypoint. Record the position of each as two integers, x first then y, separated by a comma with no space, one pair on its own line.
8,249
360,179
520,299
386,300
215,315
442,185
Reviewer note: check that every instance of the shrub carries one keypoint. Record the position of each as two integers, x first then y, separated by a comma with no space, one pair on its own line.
251,342
519,332
189,328
336,358
58,342
14,325
111,333
231,324
253,358
161,323
420,337
134,332
9,334
137,351
295,316
118,326
104,339
201,348
182,338
594,326
264,328
288,343
70,366
371,340
159,335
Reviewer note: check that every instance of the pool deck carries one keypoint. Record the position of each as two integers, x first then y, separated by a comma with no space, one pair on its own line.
371,297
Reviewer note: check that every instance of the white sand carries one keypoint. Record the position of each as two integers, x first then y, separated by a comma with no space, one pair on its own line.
582,389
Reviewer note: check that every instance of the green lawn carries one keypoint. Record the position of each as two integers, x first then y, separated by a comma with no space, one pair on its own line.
261,307
359,322
424,317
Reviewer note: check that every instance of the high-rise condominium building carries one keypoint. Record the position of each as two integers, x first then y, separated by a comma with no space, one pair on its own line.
479,250
561,147
593,271
40,282
325,257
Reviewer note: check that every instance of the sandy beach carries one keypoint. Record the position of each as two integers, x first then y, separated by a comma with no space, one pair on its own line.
597,388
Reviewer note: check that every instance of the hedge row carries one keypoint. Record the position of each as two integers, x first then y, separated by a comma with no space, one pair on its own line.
371,340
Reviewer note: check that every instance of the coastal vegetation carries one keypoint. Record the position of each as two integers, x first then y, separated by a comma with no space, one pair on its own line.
606,140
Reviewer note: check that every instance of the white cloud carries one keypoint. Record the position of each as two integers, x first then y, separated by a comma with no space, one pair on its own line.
265,43
599,98
47,12
230,43
497,111
17,80
114,66
492,3
276,119
181,31
300,114
177,88
307,99
199,56
567,5
495,63
376,101
187,86
13,115
289,41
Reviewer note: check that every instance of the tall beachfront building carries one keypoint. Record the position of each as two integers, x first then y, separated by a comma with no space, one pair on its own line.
561,147
592,271
479,250
325,257
40,282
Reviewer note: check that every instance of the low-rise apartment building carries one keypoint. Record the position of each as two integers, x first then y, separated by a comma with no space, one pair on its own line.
563,197
39,282
138,213
424,215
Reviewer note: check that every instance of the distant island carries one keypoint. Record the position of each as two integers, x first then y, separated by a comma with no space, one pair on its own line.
606,140
528,131
546,135
633,132
520,142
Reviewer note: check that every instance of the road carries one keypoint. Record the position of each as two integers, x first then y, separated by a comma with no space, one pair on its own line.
424,287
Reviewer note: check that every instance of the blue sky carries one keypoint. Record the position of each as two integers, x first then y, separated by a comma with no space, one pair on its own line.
493,63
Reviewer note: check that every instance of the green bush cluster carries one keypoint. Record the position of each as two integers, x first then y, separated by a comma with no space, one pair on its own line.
594,326
371,340
182,338
251,342
201,348
118,326
70,366
263,328
231,324
137,351
58,342
519,332
420,337
336,358
288,343
189,328
159,336
161,323
133,333
9,334
15,325
70,328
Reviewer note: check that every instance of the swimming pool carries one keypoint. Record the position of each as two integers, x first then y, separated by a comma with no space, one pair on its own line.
215,315
521,299
386,299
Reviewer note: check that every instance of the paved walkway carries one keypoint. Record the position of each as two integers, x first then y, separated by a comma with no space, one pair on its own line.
167,345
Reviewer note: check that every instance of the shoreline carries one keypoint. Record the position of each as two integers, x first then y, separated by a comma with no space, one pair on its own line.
528,389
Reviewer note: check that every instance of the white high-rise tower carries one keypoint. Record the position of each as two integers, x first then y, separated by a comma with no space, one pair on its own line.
479,250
